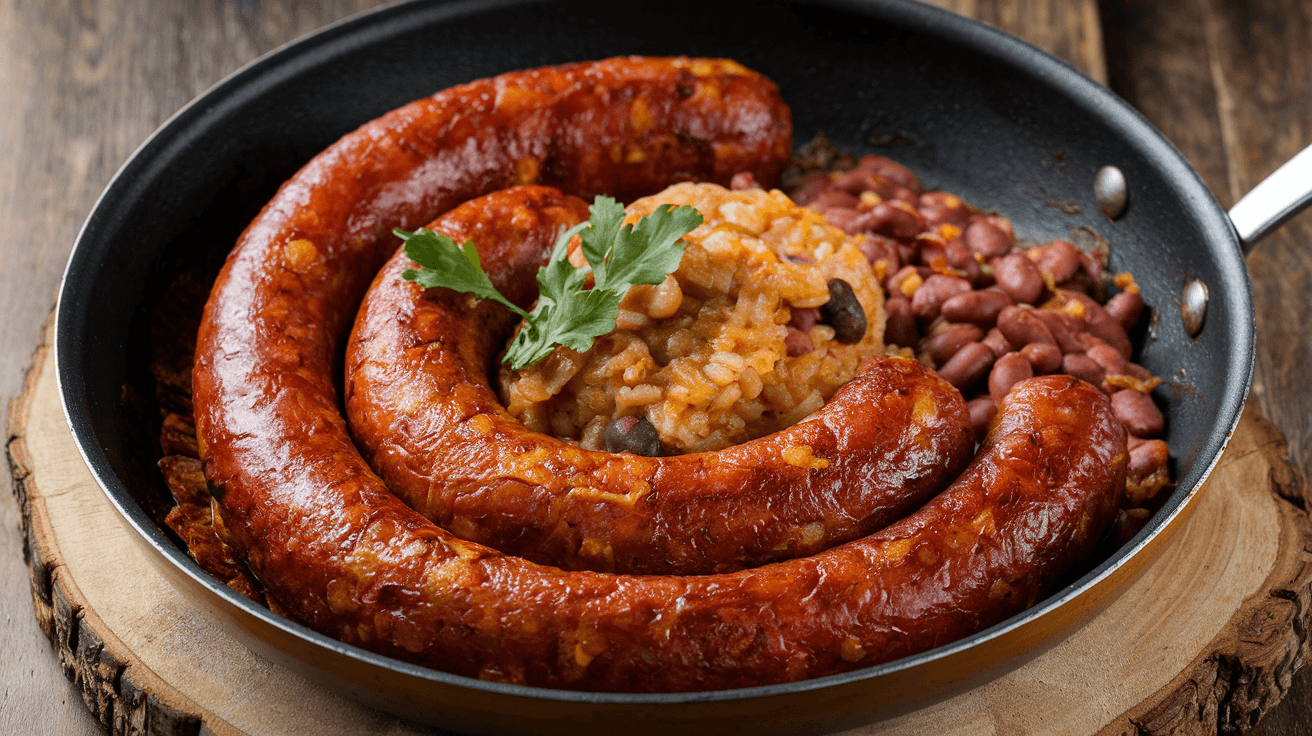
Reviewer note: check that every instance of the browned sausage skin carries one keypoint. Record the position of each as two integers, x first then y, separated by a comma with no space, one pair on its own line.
347,557
423,413
626,126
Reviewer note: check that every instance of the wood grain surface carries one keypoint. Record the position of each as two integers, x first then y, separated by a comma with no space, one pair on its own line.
1206,636
1230,83
85,82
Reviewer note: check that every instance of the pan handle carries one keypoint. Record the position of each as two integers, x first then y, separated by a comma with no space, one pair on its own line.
1273,201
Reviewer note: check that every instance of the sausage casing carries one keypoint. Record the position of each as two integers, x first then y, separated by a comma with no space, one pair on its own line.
341,553
422,411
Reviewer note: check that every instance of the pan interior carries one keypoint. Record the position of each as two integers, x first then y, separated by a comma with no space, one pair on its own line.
969,110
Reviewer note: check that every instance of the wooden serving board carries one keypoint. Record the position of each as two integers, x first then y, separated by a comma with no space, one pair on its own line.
1205,641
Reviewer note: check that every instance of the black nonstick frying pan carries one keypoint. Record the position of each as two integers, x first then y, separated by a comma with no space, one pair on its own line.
969,109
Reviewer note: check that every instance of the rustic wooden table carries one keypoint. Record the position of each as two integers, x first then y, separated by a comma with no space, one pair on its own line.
1229,81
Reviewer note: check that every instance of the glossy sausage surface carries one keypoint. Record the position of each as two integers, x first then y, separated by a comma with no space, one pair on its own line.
422,411
344,555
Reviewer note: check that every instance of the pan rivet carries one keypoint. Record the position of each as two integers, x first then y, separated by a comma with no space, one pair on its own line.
1193,306
1109,187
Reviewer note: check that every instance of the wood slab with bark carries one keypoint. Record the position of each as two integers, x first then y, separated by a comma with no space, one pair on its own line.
1226,80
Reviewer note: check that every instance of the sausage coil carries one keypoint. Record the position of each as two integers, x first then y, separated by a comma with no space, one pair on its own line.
343,554
422,411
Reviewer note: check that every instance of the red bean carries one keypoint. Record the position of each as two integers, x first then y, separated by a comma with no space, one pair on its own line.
743,180
893,218
877,247
977,307
997,342
908,253
1065,329
958,255
900,325
859,180
1101,324
987,239
1019,277
891,170
810,186
833,198
1009,370
1125,308
898,284
1146,456
1060,259
1138,413
804,318
1109,358
1148,471
945,343
903,194
797,342
843,218
940,207
1092,266
962,260
1044,357
1022,326
933,256
929,298
969,365
982,410
1083,367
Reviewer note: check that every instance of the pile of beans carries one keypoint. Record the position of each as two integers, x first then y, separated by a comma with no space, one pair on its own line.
986,313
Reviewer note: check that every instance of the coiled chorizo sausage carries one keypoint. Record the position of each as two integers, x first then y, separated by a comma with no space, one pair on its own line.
338,550
422,411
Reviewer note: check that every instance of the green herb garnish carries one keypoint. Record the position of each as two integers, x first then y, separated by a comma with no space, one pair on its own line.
566,313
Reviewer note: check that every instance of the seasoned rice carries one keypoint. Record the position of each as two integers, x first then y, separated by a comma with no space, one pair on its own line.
703,355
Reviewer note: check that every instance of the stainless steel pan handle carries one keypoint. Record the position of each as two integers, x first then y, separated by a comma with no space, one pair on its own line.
1276,199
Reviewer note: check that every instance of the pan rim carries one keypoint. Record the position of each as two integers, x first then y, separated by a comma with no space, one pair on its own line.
358,30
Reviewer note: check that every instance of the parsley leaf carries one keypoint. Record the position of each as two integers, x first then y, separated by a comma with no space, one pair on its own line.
574,322
644,253
566,313
447,264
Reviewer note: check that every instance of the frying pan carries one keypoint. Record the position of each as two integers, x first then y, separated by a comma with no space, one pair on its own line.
969,109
